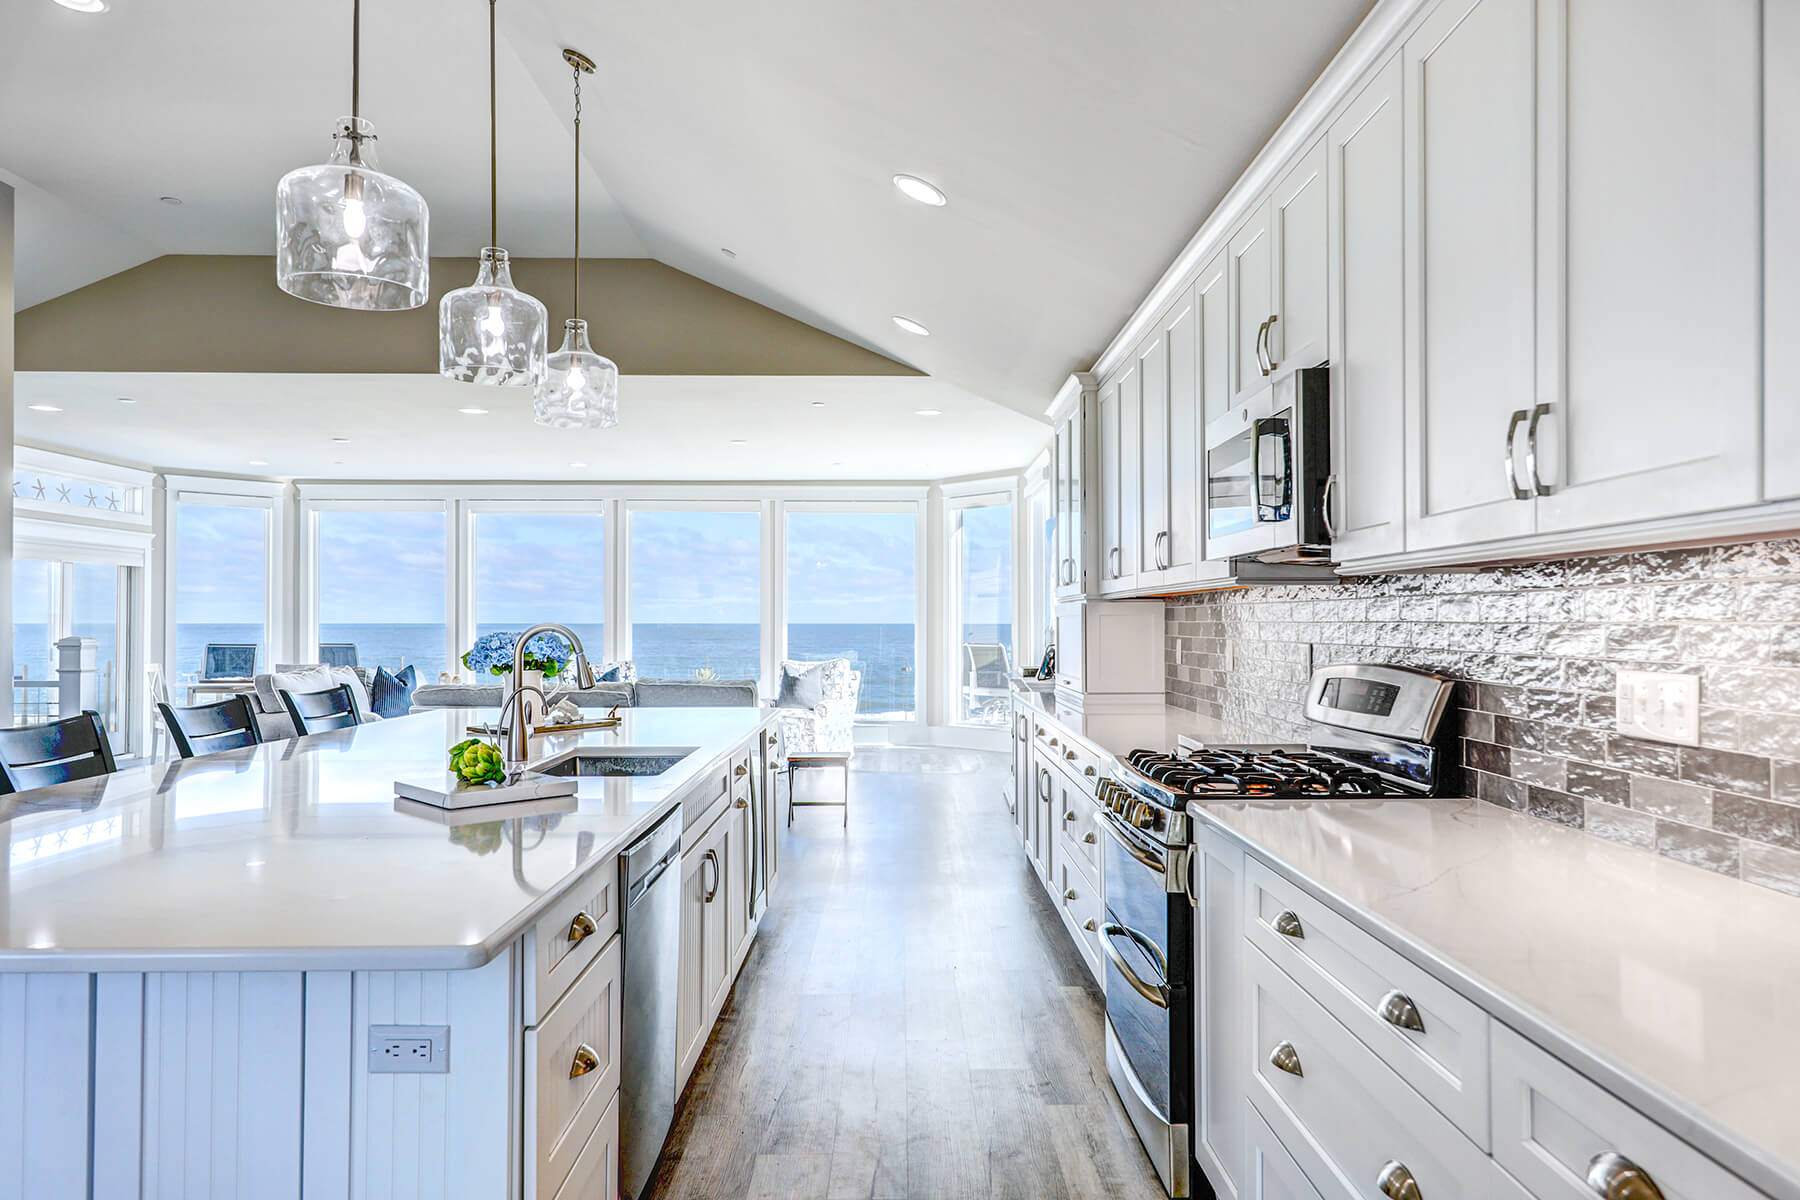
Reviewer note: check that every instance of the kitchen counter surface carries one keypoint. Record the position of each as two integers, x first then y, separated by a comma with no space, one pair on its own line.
1115,733
1673,987
295,856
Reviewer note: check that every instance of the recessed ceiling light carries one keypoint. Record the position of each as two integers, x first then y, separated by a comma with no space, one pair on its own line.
258,462
912,326
727,252
818,404
84,6
928,412
340,439
171,201
43,408
740,441
127,399
473,412
577,466
337,462
914,188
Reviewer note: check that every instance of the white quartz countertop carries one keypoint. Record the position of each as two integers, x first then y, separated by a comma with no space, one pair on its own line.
1675,988
294,855
1115,733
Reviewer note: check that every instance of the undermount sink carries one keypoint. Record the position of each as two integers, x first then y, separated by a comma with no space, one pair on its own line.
612,762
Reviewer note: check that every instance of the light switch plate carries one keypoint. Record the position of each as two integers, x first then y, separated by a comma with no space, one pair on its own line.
1662,706
409,1049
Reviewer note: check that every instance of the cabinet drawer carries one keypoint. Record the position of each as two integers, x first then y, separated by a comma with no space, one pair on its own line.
1080,762
1552,1126
743,770
596,1169
569,936
580,1030
707,797
1346,1116
1082,834
1081,904
1270,1171
1379,996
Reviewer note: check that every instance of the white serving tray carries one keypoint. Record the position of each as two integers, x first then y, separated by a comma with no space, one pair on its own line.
448,790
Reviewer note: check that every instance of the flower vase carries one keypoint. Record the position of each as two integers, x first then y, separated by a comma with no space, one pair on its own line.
534,707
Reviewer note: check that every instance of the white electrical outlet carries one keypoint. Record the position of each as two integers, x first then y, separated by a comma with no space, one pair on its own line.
1662,706
409,1049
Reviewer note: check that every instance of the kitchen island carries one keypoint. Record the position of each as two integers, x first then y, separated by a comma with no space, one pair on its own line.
193,954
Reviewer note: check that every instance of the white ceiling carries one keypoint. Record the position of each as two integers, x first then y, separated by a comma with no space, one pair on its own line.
408,427
1080,143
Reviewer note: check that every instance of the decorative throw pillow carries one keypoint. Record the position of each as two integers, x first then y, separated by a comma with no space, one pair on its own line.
802,685
392,694
304,680
617,672
359,691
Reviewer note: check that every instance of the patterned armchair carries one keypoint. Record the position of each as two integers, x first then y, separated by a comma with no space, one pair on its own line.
829,726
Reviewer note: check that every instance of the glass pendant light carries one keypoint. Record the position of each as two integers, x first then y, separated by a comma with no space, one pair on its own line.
490,332
580,388
346,234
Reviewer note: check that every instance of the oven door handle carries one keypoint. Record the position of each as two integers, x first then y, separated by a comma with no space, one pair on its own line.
1155,993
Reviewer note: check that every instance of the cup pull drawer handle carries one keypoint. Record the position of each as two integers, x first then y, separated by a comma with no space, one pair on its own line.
743,804
1089,838
582,928
1398,1009
1612,1176
1288,925
1397,1183
585,1061
740,770
1285,1058
1069,754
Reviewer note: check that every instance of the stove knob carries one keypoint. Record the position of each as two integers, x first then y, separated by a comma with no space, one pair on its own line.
1143,816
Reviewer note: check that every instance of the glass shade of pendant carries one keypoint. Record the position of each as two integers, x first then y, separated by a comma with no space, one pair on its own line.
490,332
580,388
349,236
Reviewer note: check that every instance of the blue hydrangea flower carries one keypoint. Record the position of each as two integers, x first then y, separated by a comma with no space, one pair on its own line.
492,653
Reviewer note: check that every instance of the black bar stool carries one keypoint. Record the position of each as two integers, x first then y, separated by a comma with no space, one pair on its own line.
36,756
210,728
317,712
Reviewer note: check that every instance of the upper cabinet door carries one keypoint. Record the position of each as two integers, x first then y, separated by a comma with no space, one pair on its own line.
1781,249
1366,506
1131,503
1471,245
1297,331
1152,456
1212,312
1181,546
1109,506
1249,256
1650,158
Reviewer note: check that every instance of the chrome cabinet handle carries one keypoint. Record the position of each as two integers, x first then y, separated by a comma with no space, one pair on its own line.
1157,550
585,1060
712,857
1155,993
1115,558
1397,1008
1269,346
1285,1058
582,928
1531,468
1512,472
1325,506
1397,1183
1614,1177
1262,362
1288,925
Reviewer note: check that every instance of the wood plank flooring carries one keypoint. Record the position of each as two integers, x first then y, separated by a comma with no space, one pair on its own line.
912,1020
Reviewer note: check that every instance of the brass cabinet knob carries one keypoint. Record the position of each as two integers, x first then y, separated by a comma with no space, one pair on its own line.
1091,926
1069,754
1089,772
1069,815
1054,742
743,804
1288,925
1089,838
1397,1008
582,927
1286,1058
585,1060
1612,1176
740,770
1397,1183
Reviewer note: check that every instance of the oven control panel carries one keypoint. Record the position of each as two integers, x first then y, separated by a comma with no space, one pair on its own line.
1396,702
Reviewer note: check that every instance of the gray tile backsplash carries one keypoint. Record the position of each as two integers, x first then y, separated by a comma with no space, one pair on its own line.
1539,644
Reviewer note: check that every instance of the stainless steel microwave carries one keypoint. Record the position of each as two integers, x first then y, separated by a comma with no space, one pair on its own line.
1266,473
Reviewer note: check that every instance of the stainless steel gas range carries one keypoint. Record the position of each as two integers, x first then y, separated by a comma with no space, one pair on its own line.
1375,731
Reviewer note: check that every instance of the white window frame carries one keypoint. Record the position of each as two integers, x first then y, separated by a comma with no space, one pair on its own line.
958,498
228,493
312,506
621,640
921,624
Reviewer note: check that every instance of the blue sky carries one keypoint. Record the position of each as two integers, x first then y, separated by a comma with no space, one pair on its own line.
388,567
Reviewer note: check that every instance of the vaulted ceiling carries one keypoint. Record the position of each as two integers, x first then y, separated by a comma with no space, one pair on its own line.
1080,145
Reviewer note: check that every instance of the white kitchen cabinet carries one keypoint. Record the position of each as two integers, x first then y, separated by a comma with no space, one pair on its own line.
1070,496
1470,179
1110,502
737,853
1650,160
1366,502
1297,334
1120,499
1222,1026
1248,258
1781,249
705,967
1170,450
1270,1172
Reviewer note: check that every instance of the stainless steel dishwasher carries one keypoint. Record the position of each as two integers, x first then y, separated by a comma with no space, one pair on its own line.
650,872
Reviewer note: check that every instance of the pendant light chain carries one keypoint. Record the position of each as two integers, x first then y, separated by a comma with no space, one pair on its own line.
576,310
493,140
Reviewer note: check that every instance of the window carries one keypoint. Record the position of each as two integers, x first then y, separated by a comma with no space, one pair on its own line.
221,584
94,594
852,593
54,600
532,567
981,601
696,593
381,584
34,586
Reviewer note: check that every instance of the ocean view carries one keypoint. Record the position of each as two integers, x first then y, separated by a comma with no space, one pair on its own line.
884,653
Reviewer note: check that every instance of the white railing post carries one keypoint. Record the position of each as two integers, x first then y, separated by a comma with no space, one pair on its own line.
75,676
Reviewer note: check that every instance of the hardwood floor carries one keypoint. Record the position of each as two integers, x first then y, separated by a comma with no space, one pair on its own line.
912,1020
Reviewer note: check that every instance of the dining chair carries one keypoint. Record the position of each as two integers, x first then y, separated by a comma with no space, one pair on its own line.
317,712
35,756
210,728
